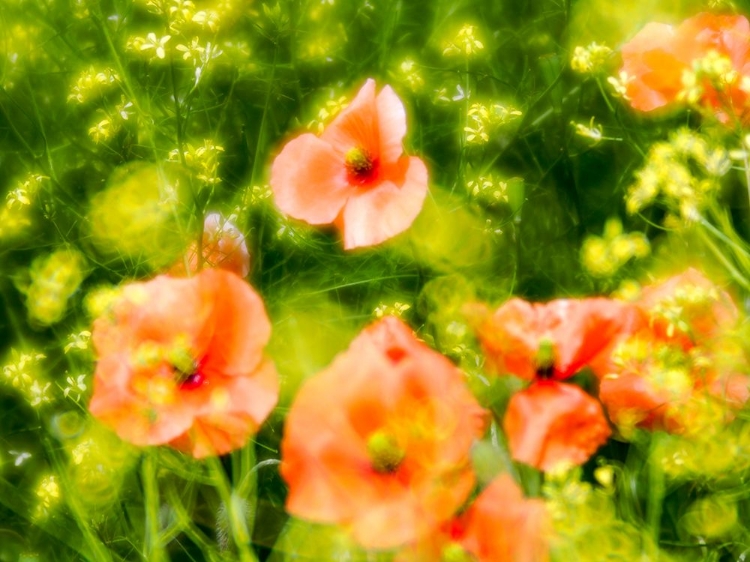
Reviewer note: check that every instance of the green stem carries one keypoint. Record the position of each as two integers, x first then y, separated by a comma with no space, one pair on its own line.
153,548
237,524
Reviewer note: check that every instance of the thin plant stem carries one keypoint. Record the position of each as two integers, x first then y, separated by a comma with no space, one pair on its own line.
153,548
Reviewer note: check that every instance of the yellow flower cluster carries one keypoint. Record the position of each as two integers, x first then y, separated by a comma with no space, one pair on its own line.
408,74
482,120
669,172
714,68
591,59
92,83
54,278
395,309
203,161
465,43
326,112
488,190
585,520
48,496
602,256
22,374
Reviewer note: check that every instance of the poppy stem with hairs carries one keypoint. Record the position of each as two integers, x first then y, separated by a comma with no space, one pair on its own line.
237,527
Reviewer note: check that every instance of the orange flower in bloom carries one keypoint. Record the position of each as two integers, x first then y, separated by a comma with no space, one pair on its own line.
503,525
355,174
681,349
379,441
180,362
500,525
554,339
223,247
659,56
688,308
551,422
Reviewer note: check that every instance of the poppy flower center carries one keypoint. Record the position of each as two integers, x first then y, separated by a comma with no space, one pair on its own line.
384,452
545,359
360,165
186,372
454,552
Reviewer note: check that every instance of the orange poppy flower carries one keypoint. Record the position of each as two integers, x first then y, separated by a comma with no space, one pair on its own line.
180,362
379,441
658,56
554,339
679,350
223,247
502,524
355,174
550,423
688,308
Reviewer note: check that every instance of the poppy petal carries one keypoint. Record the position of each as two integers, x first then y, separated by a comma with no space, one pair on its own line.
357,124
550,423
308,179
374,215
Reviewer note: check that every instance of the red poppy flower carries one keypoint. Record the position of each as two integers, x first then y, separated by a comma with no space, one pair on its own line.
180,362
355,174
656,58
554,339
223,247
379,441
550,423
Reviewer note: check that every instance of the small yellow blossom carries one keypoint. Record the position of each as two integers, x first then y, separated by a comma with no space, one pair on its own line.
465,43
590,131
91,83
203,161
48,495
604,256
395,309
619,84
590,59
151,43
78,341
327,111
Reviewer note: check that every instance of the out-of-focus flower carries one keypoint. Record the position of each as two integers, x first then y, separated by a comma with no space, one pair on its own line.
203,161
223,247
667,64
355,174
54,279
500,525
552,423
379,441
180,362
465,43
589,59
92,83
503,525
603,256
554,339
680,356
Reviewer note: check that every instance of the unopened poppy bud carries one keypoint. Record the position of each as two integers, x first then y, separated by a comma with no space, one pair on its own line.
385,453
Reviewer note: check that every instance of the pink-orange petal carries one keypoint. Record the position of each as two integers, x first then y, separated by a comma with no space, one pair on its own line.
551,422
240,328
391,125
631,400
308,179
502,525
357,125
374,215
